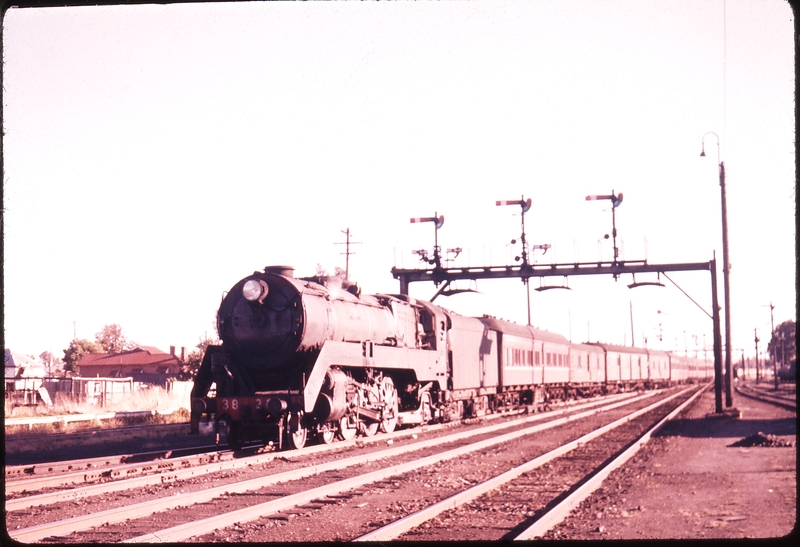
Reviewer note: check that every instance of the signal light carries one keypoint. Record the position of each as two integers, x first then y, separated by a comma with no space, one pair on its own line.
439,222
616,200
526,204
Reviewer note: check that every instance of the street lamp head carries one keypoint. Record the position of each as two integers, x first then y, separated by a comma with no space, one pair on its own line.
703,144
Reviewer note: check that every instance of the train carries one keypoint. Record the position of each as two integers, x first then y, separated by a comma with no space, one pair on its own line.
314,359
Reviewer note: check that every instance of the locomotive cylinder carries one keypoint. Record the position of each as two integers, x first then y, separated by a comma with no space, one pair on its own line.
332,402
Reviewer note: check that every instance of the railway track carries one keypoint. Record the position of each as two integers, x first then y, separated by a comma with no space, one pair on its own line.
781,399
311,481
590,452
20,473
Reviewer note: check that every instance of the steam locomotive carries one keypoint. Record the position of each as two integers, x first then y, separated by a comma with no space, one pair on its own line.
313,358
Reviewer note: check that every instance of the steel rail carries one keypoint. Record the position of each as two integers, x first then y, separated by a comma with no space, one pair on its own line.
776,400
117,470
86,469
197,528
230,465
143,509
41,473
561,511
397,528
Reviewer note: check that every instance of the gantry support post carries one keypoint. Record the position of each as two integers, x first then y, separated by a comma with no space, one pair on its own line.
717,339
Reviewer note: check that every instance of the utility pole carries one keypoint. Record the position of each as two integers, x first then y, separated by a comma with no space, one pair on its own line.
726,272
633,341
726,269
347,252
772,337
758,375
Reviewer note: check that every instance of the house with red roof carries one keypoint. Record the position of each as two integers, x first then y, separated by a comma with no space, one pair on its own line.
146,364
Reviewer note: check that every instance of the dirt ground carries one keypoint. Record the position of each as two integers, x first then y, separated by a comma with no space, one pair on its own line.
690,481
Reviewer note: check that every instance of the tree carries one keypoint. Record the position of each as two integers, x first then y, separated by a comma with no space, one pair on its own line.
111,339
195,358
50,361
76,350
783,345
322,273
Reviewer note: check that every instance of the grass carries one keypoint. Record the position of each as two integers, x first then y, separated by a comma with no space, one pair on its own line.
153,398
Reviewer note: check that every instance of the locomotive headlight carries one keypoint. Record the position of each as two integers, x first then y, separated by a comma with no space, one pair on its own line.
255,290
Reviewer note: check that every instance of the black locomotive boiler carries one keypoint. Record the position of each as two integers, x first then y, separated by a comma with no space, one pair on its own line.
314,357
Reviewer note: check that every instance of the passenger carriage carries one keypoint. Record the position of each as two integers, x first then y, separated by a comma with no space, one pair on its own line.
657,368
678,369
586,368
532,362
623,365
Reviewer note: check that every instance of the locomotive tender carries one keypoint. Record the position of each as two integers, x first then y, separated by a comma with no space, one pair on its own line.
314,357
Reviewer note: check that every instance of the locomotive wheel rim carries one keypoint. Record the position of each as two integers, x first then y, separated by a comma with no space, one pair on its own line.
344,432
297,439
389,396
367,399
327,434
369,429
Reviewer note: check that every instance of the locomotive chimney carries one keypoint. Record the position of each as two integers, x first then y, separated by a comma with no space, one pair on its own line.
183,354
172,350
286,271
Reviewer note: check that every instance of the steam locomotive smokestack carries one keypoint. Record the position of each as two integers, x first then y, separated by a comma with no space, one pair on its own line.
287,271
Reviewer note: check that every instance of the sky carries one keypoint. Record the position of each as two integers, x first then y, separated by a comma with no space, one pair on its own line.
154,155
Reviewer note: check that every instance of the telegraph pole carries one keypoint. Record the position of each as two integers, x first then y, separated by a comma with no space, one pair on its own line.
772,337
758,376
347,252
726,269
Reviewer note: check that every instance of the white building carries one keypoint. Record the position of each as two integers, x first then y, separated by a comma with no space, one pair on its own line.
23,377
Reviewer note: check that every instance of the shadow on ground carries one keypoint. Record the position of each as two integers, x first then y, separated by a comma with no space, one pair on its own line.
727,427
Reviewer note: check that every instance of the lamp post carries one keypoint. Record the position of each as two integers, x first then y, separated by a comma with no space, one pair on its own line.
725,271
